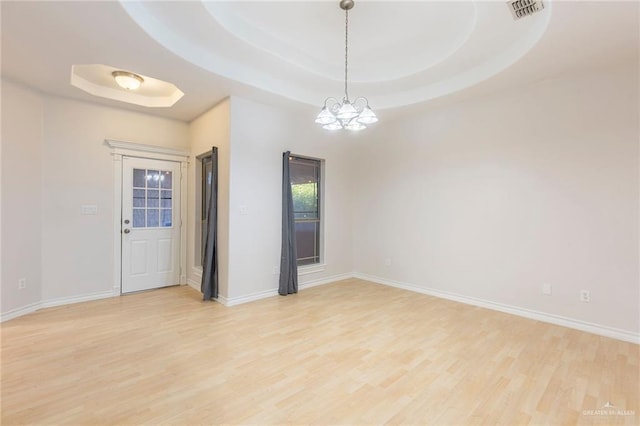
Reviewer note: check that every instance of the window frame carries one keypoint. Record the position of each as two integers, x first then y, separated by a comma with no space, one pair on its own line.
201,213
319,236
204,185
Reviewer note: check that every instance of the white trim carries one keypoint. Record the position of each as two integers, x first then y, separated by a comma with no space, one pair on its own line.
196,286
121,149
134,149
18,312
327,280
77,299
15,313
602,330
252,297
615,333
117,225
197,271
183,221
311,269
193,284
222,300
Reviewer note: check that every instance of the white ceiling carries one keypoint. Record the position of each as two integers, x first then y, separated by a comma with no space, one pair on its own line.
400,53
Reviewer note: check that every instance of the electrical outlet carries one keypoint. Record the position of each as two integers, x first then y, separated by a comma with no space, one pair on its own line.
585,296
546,289
275,270
22,283
387,262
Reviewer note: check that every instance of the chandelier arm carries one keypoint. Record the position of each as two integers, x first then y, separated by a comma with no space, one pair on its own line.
330,98
366,101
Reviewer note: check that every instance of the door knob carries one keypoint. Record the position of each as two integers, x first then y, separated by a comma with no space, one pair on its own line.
126,221
127,230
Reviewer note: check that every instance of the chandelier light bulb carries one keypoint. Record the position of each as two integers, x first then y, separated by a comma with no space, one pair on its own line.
333,126
354,125
325,117
367,116
346,111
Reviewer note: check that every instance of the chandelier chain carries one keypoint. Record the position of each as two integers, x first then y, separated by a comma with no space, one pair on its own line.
346,51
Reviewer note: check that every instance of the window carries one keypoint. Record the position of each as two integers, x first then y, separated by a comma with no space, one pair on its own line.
205,196
305,187
152,198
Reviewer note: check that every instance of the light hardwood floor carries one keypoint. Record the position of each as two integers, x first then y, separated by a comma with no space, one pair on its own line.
351,352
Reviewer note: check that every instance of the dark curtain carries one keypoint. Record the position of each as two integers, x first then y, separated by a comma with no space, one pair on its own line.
209,285
288,254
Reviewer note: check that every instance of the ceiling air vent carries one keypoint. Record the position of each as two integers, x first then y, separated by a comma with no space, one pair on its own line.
521,8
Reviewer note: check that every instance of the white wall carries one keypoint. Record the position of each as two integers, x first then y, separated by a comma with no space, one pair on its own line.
487,199
209,130
55,160
22,158
493,197
78,169
259,135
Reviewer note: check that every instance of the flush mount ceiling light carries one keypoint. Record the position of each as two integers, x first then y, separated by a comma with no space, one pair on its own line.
336,115
98,80
127,80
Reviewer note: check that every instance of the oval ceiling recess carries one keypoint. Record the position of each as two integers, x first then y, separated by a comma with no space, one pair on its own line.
399,53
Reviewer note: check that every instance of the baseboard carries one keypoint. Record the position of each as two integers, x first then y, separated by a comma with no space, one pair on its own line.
190,282
598,329
233,301
196,286
76,299
327,280
193,284
252,297
18,312
15,313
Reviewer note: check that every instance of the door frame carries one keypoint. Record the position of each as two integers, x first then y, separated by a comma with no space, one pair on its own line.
120,149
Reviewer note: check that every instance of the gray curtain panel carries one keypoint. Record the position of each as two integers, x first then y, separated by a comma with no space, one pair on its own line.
288,254
209,285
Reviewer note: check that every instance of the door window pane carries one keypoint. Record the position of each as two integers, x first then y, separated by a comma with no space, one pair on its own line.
165,218
152,198
153,179
152,218
165,180
148,198
139,197
139,218
139,178
165,198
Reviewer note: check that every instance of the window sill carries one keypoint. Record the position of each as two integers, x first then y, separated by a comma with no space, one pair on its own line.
311,269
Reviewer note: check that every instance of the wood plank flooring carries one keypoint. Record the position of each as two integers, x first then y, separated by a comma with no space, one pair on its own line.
350,352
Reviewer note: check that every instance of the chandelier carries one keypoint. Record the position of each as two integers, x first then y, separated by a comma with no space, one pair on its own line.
336,115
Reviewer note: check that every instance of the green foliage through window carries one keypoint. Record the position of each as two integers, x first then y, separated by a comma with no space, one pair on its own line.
305,200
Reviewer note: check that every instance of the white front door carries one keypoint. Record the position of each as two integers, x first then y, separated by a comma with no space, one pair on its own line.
150,224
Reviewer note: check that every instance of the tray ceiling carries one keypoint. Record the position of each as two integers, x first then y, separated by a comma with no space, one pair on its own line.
400,52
